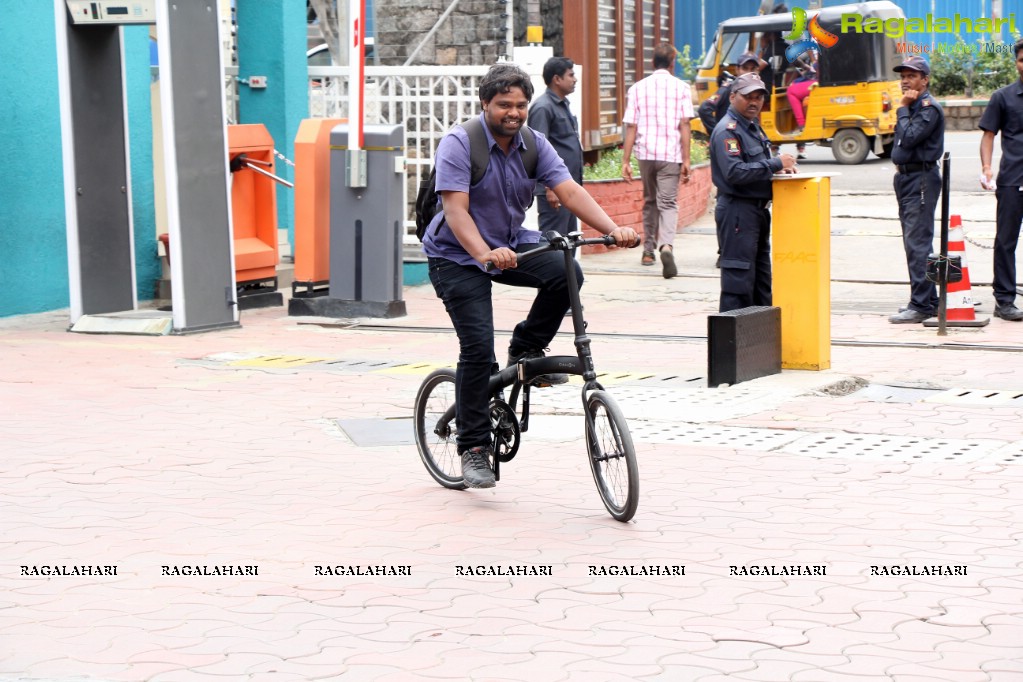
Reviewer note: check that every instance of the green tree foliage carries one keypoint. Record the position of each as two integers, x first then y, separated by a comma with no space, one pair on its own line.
972,70
687,64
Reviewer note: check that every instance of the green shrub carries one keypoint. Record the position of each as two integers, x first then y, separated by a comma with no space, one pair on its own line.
610,165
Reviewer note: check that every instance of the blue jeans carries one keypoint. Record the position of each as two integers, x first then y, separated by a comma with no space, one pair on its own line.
466,293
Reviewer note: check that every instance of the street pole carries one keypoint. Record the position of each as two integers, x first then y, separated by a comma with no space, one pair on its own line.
946,164
356,171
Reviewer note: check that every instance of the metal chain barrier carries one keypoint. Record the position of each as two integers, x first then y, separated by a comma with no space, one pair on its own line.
975,242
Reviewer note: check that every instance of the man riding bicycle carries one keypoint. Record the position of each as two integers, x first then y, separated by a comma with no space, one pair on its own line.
483,224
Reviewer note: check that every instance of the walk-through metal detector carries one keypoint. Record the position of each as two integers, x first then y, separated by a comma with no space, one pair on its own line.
97,176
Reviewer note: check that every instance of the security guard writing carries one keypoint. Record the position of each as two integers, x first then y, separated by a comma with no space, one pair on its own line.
741,168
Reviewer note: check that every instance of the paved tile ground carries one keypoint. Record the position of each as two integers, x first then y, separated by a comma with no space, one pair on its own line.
224,449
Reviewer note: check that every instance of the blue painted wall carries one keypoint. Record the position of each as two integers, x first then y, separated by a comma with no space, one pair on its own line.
140,141
33,247
272,43
33,238
688,13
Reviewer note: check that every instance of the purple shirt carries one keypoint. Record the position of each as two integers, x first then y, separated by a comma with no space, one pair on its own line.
498,203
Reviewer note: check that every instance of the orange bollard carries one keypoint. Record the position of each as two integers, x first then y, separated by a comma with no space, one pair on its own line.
312,204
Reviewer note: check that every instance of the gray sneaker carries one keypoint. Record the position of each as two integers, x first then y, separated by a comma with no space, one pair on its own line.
910,316
476,469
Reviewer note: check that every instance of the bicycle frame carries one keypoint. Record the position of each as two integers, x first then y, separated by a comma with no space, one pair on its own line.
611,453
518,376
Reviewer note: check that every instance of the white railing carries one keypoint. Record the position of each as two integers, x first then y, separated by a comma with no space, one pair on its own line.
426,100
231,93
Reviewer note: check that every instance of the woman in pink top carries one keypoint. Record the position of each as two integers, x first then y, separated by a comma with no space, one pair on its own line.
798,91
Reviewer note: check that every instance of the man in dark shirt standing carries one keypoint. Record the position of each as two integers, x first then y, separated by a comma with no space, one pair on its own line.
551,116
714,108
1004,114
919,143
741,167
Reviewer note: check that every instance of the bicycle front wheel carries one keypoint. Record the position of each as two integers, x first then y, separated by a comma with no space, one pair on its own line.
612,456
434,423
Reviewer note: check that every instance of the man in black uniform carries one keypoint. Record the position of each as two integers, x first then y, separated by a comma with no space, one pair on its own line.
551,116
741,168
919,143
714,108
1004,114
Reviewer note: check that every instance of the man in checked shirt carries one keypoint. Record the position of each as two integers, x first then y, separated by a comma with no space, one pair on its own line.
656,122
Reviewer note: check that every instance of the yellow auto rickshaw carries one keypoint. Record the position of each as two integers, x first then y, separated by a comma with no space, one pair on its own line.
852,106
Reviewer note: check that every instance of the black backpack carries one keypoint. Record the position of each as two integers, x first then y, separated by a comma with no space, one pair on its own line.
428,201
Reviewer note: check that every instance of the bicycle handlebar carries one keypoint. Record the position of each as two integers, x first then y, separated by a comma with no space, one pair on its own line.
560,242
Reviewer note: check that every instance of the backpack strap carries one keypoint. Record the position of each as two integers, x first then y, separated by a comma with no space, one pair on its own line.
531,155
479,152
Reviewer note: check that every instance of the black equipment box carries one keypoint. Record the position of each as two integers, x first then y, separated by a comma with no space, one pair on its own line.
743,344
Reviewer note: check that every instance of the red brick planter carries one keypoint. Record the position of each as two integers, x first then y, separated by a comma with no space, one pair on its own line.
623,201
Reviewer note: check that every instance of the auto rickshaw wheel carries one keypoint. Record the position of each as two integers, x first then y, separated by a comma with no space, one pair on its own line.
850,146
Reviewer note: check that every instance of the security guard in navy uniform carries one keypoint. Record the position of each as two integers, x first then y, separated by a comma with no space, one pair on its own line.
919,144
741,168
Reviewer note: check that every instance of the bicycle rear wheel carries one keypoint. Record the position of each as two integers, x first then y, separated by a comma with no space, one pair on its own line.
434,423
612,456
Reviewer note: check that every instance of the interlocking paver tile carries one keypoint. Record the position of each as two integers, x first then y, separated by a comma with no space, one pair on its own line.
1002,676
834,640
834,676
772,671
196,461
938,671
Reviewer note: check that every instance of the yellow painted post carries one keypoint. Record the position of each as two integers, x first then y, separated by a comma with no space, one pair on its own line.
801,267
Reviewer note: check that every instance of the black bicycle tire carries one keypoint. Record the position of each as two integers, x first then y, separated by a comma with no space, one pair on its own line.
620,510
424,435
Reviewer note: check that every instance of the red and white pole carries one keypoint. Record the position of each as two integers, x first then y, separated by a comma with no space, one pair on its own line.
357,72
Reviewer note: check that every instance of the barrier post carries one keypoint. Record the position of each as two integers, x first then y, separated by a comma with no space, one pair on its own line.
801,268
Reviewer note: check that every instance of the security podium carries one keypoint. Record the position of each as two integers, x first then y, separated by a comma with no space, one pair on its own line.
801,268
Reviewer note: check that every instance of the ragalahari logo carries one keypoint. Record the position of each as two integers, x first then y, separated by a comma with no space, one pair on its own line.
818,37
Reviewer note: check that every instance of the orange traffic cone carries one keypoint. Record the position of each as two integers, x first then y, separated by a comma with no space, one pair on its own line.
959,310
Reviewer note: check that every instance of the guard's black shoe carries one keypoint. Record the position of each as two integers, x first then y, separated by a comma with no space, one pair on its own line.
543,379
1009,312
910,316
476,471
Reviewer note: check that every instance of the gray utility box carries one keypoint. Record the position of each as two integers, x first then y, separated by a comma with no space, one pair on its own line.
366,227
743,344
